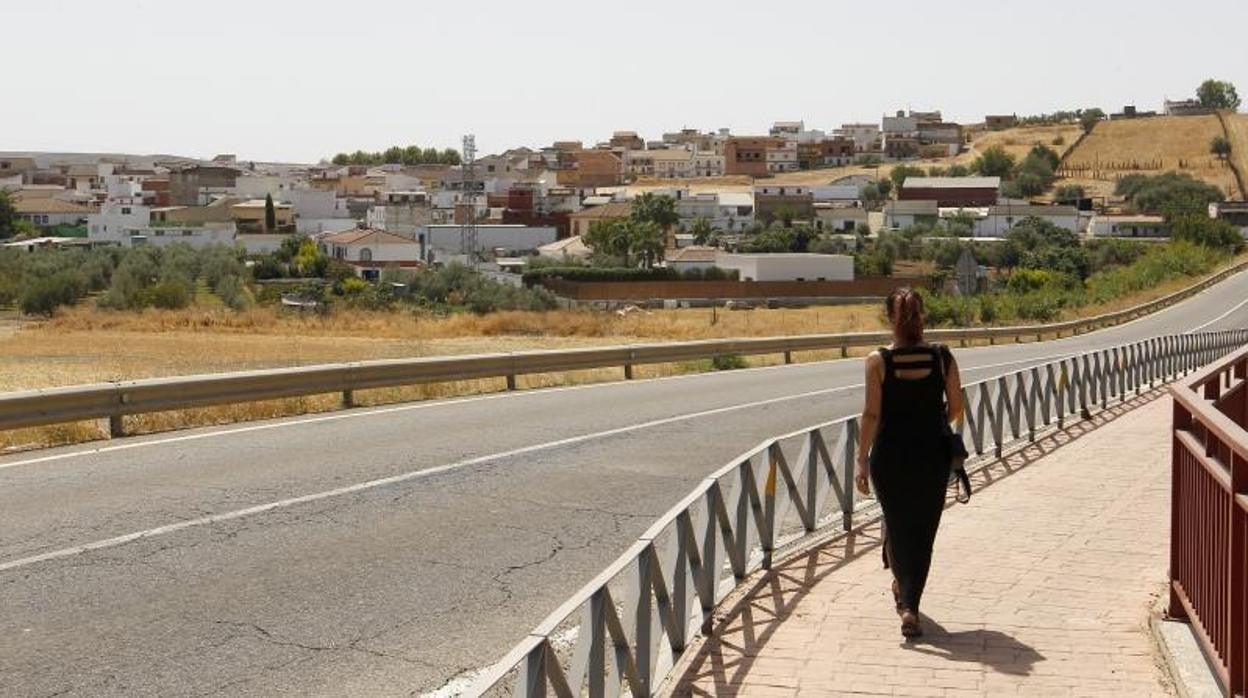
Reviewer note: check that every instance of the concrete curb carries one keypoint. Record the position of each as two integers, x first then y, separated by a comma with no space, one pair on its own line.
1179,655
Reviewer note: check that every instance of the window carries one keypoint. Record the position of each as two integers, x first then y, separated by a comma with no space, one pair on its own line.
125,210
366,255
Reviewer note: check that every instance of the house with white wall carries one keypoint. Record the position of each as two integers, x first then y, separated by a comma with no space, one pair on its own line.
1128,226
401,212
444,241
371,251
727,211
50,212
131,225
795,266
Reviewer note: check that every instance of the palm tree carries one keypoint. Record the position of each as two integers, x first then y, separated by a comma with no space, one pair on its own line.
704,232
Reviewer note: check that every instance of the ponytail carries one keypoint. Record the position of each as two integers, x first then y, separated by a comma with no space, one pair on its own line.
905,314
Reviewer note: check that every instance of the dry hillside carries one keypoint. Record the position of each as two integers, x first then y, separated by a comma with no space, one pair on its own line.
1237,131
1149,146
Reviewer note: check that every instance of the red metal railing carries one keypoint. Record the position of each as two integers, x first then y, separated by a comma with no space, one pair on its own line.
1209,514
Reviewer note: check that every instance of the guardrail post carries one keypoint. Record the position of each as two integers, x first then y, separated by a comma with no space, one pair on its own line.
348,399
844,352
788,357
628,372
116,426
511,381
847,474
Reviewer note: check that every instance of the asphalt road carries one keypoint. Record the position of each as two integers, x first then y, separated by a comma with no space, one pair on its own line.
384,551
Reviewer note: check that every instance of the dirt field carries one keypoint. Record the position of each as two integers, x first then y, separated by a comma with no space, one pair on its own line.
1151,146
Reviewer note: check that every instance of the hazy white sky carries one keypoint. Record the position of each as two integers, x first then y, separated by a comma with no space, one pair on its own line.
297,80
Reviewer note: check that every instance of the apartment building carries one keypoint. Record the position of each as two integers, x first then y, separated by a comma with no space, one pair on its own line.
747,155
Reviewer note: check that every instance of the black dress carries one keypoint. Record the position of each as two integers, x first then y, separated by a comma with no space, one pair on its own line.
910,463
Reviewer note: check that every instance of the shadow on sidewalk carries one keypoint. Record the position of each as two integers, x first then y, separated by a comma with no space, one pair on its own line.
992,648
750,617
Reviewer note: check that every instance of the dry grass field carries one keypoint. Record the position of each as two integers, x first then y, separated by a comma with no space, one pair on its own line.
1237,131
1160,144
85,345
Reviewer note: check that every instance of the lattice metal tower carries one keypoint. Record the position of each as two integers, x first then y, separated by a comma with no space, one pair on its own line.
468,226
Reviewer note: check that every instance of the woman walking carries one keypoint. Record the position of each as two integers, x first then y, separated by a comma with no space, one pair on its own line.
913,390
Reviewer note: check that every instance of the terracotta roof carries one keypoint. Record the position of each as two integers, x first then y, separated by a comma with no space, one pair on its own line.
367,236
619,209
49,205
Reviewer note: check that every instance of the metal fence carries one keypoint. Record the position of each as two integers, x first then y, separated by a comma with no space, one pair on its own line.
1209,515
113,401
625,629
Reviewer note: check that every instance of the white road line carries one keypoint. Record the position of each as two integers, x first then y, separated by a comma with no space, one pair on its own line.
1219,318
426,472
357,414
394,479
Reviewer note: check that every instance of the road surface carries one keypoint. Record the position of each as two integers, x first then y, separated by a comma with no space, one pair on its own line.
384,551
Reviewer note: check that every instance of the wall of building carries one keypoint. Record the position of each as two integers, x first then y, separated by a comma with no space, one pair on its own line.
788,267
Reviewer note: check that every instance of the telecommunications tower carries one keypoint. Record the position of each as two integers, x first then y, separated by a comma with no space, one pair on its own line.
468,202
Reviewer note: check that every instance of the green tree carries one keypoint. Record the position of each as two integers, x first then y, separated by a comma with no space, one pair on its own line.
1069,194
413,155
393,155
901,172
1220,147
341,159
994,162
958,171
270,214
1089,118
1174,194
429,156
8,216
450,156
1217,94
704,232
659,209
885,187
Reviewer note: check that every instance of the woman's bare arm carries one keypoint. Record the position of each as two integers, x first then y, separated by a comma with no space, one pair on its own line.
953,392
869,424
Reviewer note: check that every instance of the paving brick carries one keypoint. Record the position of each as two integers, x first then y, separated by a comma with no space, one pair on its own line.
1041,586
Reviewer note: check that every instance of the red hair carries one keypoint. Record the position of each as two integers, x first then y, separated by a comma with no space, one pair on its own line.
905,313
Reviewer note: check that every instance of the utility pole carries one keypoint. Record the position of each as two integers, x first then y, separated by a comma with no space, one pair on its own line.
468,227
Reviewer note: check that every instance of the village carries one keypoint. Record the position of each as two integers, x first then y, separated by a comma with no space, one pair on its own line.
713,197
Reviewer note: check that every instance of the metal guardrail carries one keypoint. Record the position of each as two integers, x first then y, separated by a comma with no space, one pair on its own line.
1209,515
626,629
113,401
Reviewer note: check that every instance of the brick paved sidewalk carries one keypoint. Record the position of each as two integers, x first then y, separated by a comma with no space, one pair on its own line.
1042,585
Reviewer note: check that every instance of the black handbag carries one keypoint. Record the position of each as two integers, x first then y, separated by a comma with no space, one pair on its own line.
958,454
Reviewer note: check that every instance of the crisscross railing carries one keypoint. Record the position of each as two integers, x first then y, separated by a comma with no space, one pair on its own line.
625,629
1209,515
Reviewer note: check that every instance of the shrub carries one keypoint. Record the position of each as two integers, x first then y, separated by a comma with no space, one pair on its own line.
535,276
167,295
43,296
728,362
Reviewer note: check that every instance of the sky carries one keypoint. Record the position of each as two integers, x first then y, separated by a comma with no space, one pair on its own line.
299,80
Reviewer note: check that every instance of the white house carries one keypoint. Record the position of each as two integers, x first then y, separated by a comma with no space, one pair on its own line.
50,212
255,186
728,211
668,164
1128,226
444,241
796,266
903,214
370,251
866,137
130,225
840,219
707,164
783,158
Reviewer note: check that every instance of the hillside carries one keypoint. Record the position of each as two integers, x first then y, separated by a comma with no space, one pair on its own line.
1149,146
1237,131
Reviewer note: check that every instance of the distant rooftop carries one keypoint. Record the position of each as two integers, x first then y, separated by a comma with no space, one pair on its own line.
952,183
